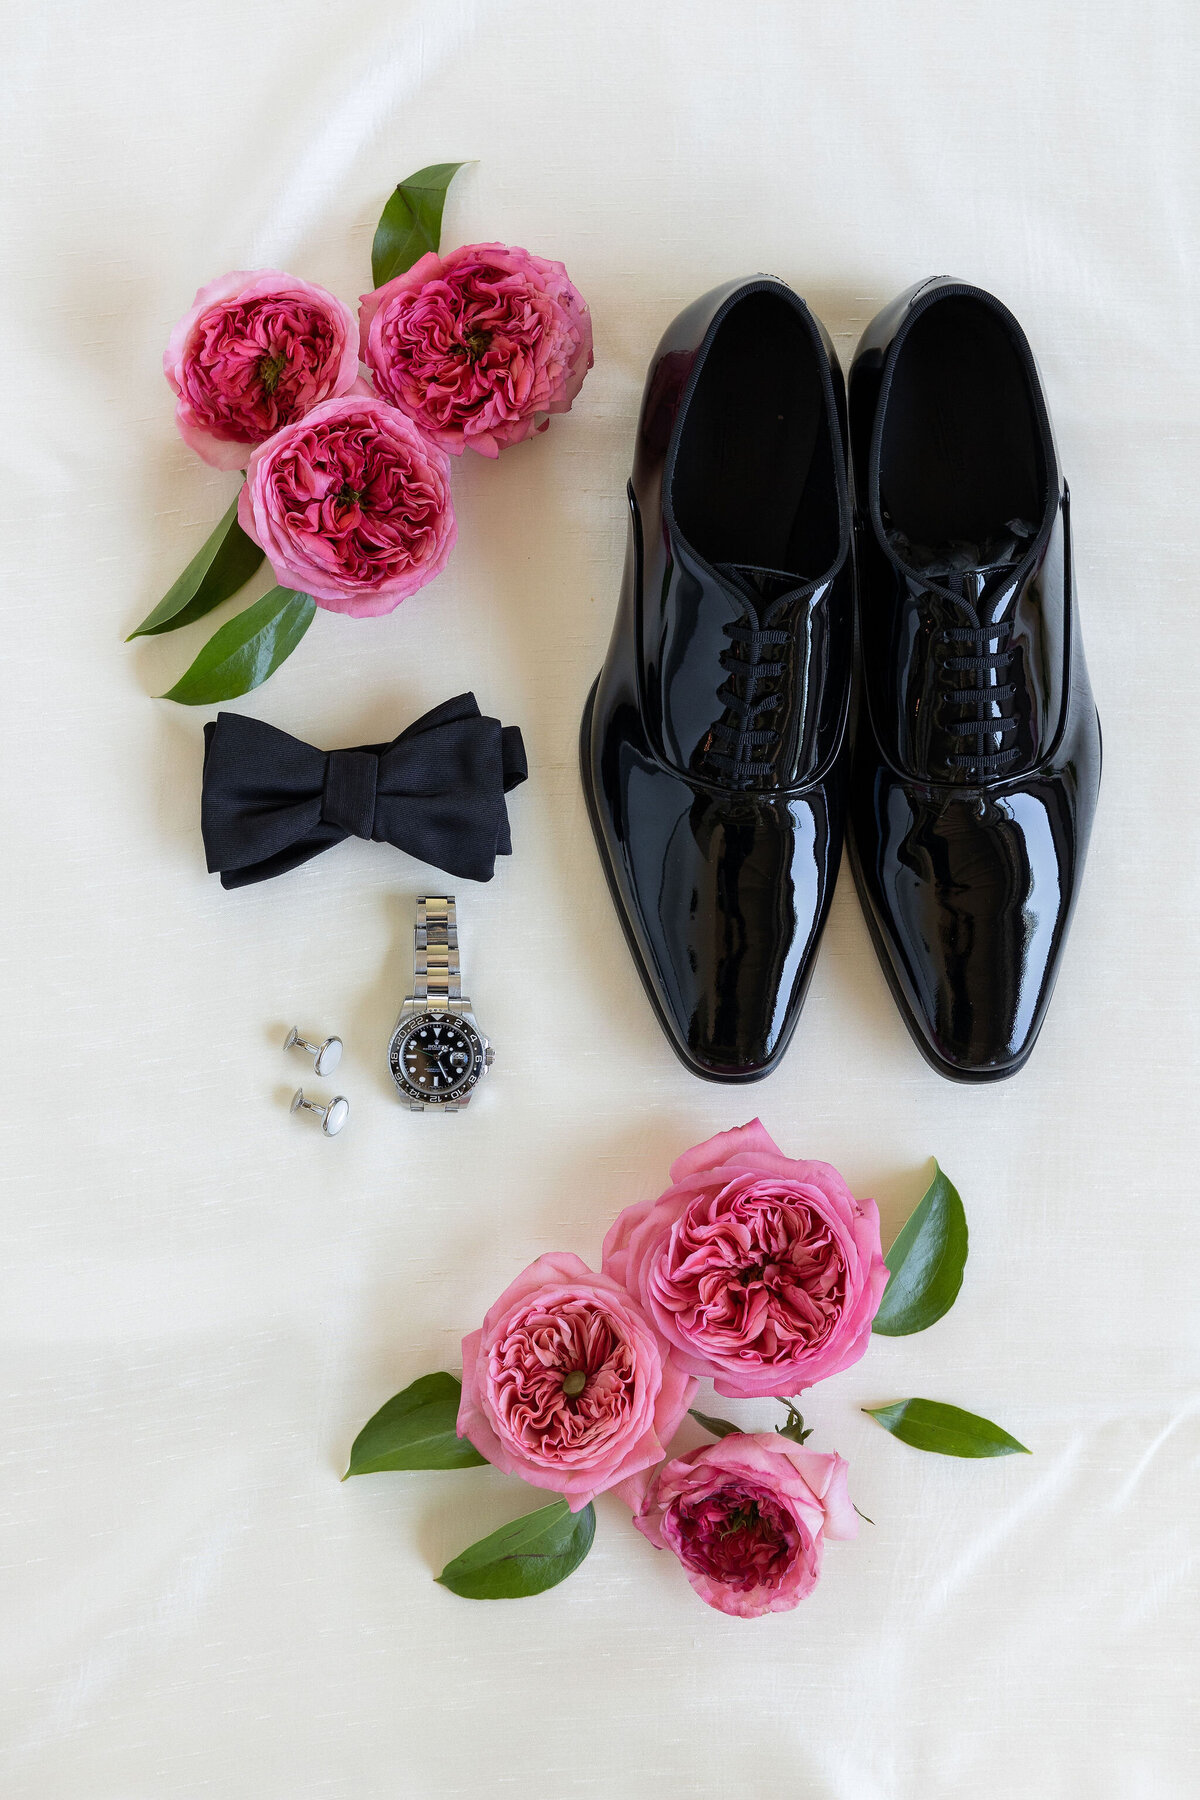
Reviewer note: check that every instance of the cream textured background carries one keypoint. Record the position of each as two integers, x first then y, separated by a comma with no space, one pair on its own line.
202,1300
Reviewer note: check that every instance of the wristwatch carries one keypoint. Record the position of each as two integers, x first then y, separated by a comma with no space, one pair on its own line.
437,1052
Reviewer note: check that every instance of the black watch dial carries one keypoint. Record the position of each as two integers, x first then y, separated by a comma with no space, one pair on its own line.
436,1057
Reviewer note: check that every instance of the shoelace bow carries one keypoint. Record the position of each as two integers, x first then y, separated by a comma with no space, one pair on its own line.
748,662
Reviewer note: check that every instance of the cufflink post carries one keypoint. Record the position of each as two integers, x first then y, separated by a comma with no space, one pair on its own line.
332,1117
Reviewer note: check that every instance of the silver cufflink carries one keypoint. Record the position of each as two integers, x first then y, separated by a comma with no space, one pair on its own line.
326,1056
332,1117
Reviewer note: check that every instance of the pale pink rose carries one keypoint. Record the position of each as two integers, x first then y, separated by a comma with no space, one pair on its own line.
747,1518
567,1385
258,350
760,1271
351,504
480,346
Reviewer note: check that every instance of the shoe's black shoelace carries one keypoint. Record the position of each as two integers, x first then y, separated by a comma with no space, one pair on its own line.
974,573
986,654
733,746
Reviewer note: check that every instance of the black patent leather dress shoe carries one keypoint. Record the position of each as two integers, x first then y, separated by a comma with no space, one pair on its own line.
714,740
977,746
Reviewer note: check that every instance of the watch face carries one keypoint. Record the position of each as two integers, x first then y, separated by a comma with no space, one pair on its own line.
435,1057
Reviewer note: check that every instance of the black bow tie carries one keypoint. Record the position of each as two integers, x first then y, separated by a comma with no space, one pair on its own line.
437,792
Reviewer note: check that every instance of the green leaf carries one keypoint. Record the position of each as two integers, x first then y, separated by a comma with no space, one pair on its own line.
926,1263
930,1425
411,222
225,562
415,1430
719,1427
526,1557
245,651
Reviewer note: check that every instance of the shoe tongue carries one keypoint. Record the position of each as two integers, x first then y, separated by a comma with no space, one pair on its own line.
972,573
969,571
759,584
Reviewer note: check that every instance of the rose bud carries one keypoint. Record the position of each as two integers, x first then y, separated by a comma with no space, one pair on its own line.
352,505
480,346
566,1384
760,1271
258,350
747,1518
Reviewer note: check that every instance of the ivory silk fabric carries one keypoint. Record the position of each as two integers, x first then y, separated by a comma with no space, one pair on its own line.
202,1300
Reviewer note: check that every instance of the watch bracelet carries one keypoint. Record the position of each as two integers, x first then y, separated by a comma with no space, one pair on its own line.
437,980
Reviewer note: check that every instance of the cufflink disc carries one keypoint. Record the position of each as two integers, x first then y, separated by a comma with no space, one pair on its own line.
332,1117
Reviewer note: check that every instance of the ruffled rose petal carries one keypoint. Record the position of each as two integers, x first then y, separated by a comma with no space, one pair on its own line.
257,351
560,1319
478,347
747,1518
351,505
705,1157
761,1271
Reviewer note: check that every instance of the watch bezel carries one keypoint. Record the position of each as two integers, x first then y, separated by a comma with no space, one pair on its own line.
436,1016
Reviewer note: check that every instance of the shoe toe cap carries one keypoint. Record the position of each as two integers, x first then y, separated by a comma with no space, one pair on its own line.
723,897
970,898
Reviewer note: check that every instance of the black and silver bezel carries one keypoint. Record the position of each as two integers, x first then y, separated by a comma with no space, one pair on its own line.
421,1031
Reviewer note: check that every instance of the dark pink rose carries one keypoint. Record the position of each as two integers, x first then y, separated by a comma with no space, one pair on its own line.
258,350
567,1385
760,1271
351,505
747,1518
480,346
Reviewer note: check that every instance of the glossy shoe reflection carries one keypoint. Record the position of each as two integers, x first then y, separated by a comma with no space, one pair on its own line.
713,747
977,746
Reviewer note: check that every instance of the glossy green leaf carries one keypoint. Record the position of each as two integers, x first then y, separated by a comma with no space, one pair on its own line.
926,1263
526,1557
415,1430
411,222
931,1425
246,650
224,563
719,1427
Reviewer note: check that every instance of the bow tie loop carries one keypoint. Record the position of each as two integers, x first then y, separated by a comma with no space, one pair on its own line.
348,797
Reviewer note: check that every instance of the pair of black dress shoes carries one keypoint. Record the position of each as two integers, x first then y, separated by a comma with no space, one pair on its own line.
723,759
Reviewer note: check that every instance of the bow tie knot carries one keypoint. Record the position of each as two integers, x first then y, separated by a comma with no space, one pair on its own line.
270,802
348,797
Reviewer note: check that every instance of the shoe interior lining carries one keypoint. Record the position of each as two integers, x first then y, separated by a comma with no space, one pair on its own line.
961,449
754,480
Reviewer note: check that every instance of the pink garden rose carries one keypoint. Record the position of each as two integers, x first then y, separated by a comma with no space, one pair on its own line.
258,350
760,1271
351,505
479,346
567,1385
747,1518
